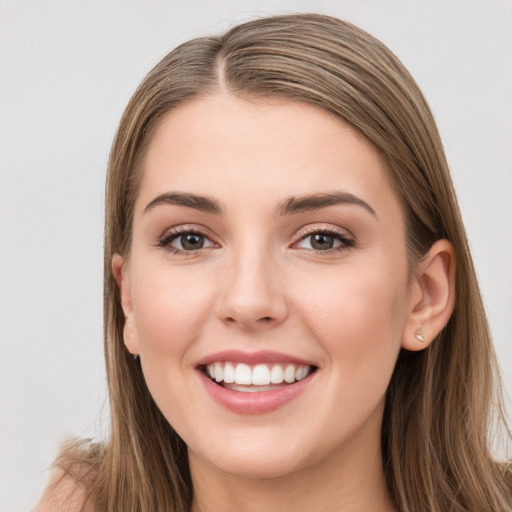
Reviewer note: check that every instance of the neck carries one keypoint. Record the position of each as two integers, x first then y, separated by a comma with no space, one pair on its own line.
350,479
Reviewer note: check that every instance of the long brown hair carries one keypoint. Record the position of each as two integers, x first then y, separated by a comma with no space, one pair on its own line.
440,400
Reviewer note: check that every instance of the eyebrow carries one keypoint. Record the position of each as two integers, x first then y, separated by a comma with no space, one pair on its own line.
288,206
202,203
317,201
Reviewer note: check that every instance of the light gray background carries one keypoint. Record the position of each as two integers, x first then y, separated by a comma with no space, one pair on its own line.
67,70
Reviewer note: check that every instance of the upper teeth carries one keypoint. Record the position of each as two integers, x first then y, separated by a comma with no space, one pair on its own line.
258,375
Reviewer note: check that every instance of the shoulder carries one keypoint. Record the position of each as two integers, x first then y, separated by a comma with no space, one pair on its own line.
73,483
64,494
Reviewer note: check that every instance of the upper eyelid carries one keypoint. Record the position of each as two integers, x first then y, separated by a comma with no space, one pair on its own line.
323,228
187,228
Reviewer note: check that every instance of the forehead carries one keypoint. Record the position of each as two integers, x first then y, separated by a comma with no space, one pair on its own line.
221,144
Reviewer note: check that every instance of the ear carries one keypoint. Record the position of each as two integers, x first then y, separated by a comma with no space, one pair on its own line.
122,277
432,297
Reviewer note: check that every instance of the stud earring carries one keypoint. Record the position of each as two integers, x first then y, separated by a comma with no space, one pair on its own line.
135,357
419,336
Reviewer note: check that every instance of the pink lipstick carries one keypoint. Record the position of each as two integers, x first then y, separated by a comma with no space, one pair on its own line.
254,383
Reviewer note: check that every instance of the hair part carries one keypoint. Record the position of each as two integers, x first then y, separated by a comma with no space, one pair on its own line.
440,400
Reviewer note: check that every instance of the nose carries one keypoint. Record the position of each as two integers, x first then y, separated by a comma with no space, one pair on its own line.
253,296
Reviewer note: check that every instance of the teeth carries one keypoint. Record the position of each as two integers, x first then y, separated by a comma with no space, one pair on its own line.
289,374
218,373
258,375
276,374
229,373
243,374
301,372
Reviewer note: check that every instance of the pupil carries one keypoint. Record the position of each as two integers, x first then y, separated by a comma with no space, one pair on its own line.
322,242
192,241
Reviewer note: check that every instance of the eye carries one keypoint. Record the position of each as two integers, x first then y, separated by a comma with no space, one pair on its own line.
325,241
189,241
185,241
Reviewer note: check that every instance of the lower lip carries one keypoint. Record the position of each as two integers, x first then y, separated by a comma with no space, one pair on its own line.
258,402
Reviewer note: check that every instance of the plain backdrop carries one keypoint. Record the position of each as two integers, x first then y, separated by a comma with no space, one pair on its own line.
68,68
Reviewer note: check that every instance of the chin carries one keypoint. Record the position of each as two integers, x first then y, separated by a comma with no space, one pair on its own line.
254,456
257,466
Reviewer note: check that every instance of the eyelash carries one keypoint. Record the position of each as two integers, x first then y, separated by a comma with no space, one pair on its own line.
165,242
346,242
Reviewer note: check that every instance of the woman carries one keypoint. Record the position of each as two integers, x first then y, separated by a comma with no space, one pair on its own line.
292,318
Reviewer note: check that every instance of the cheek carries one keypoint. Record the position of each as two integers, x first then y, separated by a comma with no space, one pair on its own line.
357,316
170,309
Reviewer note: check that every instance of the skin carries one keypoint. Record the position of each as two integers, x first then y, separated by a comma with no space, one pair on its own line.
258,284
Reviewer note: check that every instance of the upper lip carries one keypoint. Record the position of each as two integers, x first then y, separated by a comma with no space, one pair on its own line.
261,356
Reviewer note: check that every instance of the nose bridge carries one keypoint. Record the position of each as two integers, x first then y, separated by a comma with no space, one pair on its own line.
252,294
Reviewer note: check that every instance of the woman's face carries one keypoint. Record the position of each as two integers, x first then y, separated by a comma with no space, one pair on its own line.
268,254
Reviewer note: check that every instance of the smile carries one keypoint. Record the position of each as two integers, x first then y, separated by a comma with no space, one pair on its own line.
255,383
259,377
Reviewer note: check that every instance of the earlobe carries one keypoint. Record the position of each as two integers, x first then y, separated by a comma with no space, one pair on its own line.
432,297
122,278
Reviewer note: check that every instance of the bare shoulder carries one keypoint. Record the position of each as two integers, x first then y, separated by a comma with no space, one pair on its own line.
64,494
73,479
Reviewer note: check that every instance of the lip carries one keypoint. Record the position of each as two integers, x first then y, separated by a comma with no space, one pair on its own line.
258,402
252,358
